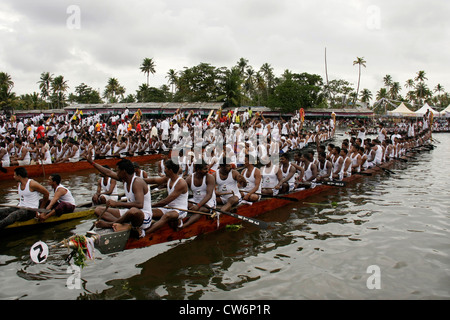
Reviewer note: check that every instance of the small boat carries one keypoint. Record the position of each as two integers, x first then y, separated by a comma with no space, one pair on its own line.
37,170
108,241
21,225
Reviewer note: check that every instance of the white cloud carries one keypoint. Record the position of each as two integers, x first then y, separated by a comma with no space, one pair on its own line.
395,37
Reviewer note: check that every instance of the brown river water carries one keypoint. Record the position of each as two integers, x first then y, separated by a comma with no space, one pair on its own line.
387,238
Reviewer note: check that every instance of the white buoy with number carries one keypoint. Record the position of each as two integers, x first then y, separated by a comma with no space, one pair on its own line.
39,252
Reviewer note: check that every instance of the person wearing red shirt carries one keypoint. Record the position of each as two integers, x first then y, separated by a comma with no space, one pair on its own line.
40,132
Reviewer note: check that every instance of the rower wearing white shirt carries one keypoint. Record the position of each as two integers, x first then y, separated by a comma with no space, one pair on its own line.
62,201
227,188
202,185
252,191
173,207
29,198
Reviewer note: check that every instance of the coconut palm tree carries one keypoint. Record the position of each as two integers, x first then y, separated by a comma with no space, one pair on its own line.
44,84
147,67
113,89
360,62
395,90
6,82
420,76
387,81
366,95
409,84
59,86
172,76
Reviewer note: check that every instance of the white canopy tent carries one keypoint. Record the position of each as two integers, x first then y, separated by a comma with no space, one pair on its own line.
446,112
424,109
401,111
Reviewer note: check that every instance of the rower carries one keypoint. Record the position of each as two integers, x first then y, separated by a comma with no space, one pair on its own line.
202,185
62,201
356,159
324,168
44,155
271,175
338,163
378,151
310,174
174,206
227,181
22,158
139,172
137,211
252,191
347,164
106,189
287,183
4,155
29,191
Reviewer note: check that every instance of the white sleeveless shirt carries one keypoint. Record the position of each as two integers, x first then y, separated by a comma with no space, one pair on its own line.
269,178
227,185
200,192
251,181
147,207
67,197
182,201
28,198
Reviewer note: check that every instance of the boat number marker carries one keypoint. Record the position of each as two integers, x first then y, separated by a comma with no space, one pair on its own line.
39,252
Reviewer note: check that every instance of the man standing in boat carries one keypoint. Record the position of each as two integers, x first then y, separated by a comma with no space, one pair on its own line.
202,185
137,211
62,201
29,194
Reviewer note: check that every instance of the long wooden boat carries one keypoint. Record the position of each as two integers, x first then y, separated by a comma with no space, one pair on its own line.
37,170
107,241
77,214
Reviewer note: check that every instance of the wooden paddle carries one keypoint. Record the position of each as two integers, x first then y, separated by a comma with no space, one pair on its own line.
256,222
385,170
99,217
274,196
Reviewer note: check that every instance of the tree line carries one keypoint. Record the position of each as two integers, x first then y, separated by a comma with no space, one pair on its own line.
239,85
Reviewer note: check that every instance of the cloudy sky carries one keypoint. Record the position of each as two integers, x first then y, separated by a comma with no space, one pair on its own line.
91,41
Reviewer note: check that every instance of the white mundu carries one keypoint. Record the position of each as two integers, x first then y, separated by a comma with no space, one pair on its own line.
229,185
200,192
28,198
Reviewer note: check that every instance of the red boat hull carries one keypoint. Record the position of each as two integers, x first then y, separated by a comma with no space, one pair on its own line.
46,169
206,225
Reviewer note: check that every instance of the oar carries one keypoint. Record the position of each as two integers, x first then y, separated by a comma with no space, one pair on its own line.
259,223
334,183
256,222
385,170
99,217
25,208
274,196
187,210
